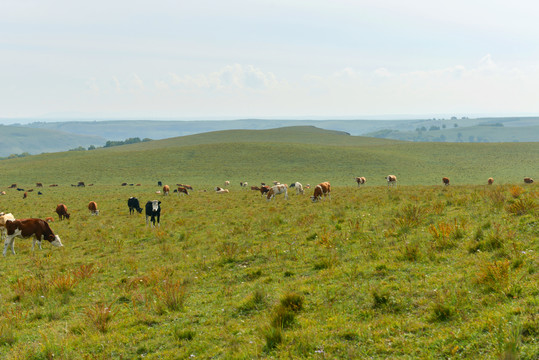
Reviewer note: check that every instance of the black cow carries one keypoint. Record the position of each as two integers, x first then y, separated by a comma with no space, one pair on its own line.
153,211
133,205
159,183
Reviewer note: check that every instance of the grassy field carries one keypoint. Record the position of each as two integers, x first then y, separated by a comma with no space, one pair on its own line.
304,154
422,271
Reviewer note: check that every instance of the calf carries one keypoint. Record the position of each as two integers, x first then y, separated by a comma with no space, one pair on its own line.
528,180
490,181
153,211
445,180
276,190
166,190
391,180
39,184
182,190
92,206
61,210
133,204
26,228
321,189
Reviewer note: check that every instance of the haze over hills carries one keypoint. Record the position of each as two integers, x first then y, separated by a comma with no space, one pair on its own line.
67,135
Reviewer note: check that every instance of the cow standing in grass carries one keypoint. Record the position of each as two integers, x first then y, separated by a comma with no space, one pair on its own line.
153,212
166,190
391,180
299,188
61,210
360,181
445,180
490,181
134,204
26,228
92,206
528,180
276,190
322,189
3,219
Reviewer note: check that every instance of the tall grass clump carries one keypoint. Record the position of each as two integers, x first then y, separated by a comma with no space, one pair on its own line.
409,216
170,295
255,301
494,276
522,206
445,234
7,335
516,191
100,315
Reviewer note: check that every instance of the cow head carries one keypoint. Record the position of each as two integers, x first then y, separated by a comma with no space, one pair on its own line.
56,242
155,205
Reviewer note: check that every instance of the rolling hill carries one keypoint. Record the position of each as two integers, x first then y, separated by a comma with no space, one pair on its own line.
305,154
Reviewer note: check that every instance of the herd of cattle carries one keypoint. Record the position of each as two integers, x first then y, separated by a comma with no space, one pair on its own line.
40,230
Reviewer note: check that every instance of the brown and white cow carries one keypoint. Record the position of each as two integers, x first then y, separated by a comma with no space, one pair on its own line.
2,193
445,180
3,219
264,189
322,189
227,183
490,181
61,210
276,190
528,180
255,188
39,184
391,180
182,190
220,190
166,190
360,180
92,206
26,228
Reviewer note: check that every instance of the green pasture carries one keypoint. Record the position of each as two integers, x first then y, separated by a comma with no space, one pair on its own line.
375,272
304,154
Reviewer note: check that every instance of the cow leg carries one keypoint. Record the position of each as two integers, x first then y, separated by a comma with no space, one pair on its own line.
158,220
9,242
147,223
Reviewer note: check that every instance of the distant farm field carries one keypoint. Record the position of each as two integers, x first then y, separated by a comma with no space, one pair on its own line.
415,271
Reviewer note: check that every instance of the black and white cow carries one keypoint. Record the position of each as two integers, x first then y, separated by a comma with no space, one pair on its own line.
133,205
153,211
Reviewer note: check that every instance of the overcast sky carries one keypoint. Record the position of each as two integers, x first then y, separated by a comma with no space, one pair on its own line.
261,58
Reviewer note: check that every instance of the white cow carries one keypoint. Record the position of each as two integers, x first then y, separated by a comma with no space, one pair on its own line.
276,190
299,188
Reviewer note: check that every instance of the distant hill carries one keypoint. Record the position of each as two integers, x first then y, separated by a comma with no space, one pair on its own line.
20,139
306,154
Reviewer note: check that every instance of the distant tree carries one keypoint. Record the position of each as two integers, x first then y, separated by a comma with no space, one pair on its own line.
471,138
455,125
80,148
423,128
459,136
453,118
91,147
434,127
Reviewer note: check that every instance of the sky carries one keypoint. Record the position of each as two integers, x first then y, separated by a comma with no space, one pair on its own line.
176,59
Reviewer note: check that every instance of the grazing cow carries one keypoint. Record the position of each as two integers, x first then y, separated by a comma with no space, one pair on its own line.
528,180
13,186
166,190
30,190
299,188
182,190
81,184
26,228
243,184
3,219
360,181
49,219
220,190
19,189
138,185
276,190
124,184
159,183
490,181
276,183
61,210
39,193
133,205
91,185
153,211
53,185
445,180
322,189
227,183
25,195
3,193
92,206
391,180
255,188
39,185
264,189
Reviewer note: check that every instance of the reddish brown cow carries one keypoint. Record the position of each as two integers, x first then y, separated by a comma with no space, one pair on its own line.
188,187
490,181
13,186
182,190
26,228
255,188
61,210
445,180
39,185
166,190
321,189
92,206
25,195
528,180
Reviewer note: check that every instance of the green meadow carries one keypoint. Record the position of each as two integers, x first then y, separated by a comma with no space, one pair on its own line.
408,272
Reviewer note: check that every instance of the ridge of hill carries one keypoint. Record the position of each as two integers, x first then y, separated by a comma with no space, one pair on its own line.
305,154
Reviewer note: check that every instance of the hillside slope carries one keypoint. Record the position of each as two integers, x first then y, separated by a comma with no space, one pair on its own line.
304,154
18,139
